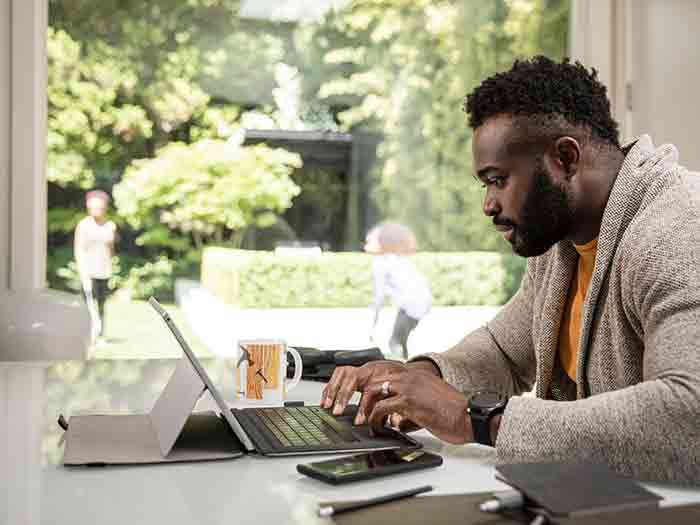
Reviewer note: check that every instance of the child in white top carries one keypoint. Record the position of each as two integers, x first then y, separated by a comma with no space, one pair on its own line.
93,248
396,276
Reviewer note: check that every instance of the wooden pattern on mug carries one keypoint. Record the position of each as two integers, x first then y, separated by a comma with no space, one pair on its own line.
271,361
254,378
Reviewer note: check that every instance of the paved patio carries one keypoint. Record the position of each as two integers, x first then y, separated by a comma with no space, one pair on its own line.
218,326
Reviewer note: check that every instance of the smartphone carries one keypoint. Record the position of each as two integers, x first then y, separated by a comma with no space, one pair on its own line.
369,466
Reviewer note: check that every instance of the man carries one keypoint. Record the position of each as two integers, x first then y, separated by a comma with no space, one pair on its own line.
606,324
93,249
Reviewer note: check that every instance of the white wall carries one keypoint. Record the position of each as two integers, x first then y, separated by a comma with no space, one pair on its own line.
23,144
28,134
665,74
648,54
4,140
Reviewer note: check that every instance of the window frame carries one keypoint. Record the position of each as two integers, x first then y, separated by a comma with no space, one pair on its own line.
23,114
36,324
24,127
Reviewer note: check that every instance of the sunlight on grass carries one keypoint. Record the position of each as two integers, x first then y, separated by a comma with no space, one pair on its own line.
134,331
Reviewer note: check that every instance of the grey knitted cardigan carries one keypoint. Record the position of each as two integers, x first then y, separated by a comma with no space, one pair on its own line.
636,402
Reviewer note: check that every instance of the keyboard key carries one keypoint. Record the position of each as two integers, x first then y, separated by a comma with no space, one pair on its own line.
303,426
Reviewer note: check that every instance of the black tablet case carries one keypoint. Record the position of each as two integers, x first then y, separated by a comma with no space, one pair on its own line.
169,433
576,489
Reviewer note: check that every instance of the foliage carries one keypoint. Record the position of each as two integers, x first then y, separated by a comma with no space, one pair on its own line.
126,79
63,220
150,279
320,209
207,189
263,280
61,270
88,129
154,46
403,68
129,77
168,82
140,278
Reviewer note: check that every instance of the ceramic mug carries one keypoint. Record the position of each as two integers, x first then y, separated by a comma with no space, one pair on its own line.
261,370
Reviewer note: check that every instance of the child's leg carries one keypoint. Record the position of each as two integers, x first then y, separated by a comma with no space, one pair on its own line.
402,328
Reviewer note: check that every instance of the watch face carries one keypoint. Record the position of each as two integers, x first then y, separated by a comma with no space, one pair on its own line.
485,400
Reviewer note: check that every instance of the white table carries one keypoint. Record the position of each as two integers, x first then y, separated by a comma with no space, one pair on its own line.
35,488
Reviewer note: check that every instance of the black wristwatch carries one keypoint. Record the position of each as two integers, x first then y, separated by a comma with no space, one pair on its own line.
483,406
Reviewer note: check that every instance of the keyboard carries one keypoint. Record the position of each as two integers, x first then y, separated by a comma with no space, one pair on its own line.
303,426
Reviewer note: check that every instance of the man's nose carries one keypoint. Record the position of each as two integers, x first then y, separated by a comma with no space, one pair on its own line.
491,206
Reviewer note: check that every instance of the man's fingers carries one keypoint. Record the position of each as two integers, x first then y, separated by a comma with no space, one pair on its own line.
374,391
406,425
326,389
345,391
324,392
346,380
395,420
401,423
370,395
382,410
332,387
340,388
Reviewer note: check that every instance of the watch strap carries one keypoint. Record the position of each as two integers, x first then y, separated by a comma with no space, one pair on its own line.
482,430
484,405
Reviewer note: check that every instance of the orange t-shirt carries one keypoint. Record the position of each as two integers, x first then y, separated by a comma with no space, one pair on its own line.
570,329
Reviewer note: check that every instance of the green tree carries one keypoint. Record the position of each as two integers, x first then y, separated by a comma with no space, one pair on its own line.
88,129
403,67
126,78
209,191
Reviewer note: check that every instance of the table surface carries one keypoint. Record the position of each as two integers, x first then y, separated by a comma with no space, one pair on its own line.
35,488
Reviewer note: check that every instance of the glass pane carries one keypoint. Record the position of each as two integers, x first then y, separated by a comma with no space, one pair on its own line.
243,150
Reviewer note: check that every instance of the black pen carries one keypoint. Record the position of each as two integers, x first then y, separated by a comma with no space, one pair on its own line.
330,510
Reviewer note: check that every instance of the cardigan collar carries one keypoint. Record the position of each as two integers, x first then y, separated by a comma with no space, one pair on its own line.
643,163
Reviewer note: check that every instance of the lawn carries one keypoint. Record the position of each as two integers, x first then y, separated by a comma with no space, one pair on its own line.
134,331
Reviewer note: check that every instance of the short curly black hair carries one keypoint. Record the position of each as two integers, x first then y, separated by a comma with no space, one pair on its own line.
540,87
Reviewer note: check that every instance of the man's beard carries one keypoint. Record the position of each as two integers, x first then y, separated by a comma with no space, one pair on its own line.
546,217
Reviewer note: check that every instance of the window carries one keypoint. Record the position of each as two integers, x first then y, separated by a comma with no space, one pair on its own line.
284,128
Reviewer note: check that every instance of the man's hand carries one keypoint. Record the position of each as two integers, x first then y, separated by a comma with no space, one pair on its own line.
419,399
347,380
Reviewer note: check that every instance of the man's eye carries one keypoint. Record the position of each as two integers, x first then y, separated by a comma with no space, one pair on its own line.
499,182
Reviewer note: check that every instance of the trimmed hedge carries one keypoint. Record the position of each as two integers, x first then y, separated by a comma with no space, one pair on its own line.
253,279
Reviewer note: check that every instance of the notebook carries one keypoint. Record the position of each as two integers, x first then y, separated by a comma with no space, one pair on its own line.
576,489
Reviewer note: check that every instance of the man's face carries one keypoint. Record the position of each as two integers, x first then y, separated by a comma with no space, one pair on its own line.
528,206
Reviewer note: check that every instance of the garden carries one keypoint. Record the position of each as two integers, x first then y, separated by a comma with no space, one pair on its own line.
221,130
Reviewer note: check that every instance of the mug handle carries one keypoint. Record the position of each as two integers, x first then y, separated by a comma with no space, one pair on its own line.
298,369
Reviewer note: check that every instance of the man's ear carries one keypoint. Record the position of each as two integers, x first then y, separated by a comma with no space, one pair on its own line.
566,154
